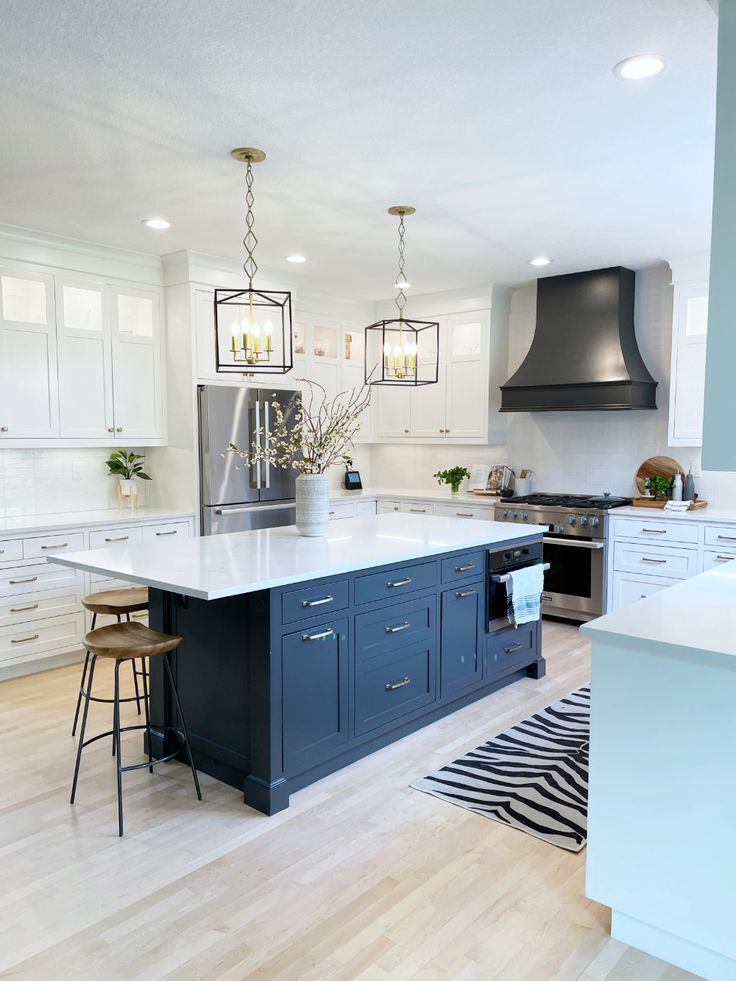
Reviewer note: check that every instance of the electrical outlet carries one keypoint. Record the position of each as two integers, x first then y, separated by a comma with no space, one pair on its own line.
76,470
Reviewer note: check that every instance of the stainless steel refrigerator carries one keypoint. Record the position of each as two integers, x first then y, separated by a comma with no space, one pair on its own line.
236,497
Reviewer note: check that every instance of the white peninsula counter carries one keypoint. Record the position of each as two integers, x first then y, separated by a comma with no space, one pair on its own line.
662,804
301,655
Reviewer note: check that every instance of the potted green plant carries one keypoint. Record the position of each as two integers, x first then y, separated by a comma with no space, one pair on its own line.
659,487
454,477
127,466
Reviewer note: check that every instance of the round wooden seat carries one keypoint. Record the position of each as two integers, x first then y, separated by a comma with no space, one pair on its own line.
118,602
127,641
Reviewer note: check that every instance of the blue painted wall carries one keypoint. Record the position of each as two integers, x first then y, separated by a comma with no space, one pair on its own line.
719,428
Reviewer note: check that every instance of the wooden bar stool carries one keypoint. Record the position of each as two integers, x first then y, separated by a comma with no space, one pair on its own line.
125,642
119,603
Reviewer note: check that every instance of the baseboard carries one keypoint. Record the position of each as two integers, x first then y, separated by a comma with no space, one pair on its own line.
675,950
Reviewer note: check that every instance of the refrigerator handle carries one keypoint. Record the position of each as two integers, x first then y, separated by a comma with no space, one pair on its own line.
258,426
266,443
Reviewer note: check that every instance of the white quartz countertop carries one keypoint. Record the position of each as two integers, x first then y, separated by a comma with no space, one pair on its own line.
698,614
720,515
30,523
215,566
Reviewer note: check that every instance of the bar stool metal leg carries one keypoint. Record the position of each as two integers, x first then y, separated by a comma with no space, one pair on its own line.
116,738
183,725
146,705
81,683
84,726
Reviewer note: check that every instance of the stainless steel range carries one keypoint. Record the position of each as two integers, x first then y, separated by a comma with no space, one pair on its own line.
575,546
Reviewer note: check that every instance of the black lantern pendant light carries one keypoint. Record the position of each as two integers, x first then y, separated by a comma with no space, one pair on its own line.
253,334
401,351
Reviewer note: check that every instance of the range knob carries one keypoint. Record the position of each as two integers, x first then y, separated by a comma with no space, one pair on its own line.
524,515
505,516
515,515
560,529
594,522
583,520
571,519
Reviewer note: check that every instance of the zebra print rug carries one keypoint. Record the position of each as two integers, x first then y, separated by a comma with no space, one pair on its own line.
533,777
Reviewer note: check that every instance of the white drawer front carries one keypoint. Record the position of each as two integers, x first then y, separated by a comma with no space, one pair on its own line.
416,507
721,536
674,563
36,578
653,530
713,558
165,533
629,589
115,536
36,606
49,545
363,508
385,507
463,511
11,550
343,509
30,640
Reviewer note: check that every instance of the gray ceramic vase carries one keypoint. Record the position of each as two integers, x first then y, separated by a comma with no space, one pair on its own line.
312,504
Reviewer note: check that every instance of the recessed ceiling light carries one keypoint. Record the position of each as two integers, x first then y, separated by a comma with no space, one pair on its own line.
160,224
540,260
639,67
296,258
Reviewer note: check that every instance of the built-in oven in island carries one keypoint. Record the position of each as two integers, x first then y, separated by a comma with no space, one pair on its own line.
501,562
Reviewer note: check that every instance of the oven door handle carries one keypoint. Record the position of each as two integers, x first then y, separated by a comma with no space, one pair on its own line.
591,546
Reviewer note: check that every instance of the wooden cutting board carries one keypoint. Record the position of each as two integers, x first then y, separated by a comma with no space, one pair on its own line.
656,466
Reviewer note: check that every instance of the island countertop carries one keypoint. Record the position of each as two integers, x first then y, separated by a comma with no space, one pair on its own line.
215,566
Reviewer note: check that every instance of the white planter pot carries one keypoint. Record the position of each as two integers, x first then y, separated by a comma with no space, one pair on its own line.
126,487
312,504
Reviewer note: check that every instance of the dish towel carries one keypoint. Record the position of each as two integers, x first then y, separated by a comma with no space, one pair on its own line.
525,592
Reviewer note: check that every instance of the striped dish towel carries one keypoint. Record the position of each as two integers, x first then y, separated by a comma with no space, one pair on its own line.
526,592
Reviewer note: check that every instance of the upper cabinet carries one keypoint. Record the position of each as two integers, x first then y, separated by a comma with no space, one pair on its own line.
80,360
689,339
29,405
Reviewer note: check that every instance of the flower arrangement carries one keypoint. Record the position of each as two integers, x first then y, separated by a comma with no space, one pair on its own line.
454,477
312,433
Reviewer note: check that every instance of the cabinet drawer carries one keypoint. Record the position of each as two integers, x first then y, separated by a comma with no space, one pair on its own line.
313,600
630,589
164,533
345,509
36,578
463,511
652,530
509,650
388,585
11,550
416,507
363,508
674,563
50,545
713,558
37,606
391,686
394,627
112,537
469,565
385,507
30,640
721,536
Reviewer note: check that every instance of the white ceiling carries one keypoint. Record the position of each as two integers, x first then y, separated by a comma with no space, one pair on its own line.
501,122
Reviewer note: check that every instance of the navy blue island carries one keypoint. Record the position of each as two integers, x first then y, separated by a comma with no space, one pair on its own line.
302,655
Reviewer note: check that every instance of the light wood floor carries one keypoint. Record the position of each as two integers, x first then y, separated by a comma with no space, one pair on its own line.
361,877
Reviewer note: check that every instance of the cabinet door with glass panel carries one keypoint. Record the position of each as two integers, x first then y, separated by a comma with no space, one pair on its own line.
136,364
85,359
29,406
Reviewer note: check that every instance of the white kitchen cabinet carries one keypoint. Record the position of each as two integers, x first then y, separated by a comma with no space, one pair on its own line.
689,340
460,510
384,506
393,411
628,588
136,365
352,375
416,507
29,402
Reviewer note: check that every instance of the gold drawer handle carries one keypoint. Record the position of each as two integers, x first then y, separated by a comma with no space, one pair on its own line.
393,685
318,602
399,582
47,548
465,568
23,609
398,628
120,538
20,582
514,647
24,640
160,533
320,636
466,592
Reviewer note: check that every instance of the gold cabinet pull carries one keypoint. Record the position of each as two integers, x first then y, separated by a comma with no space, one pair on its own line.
393,685
318,602
465,568
399,582
47,548
398,628
319,636
120,538
20,582
466,592
514,647
23,609
24,640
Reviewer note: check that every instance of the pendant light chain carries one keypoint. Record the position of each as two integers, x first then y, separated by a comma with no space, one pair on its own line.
250,241
401,278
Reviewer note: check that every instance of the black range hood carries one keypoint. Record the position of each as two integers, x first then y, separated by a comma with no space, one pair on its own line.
584,353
